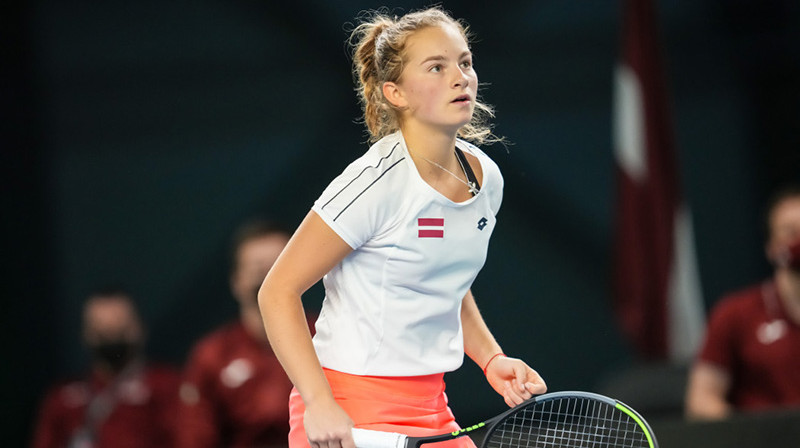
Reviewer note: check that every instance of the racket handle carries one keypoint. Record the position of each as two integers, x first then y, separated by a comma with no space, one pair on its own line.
367,438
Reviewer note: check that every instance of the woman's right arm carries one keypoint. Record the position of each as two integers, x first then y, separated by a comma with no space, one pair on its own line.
313,250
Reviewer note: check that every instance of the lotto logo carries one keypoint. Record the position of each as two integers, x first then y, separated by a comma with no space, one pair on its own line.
430,227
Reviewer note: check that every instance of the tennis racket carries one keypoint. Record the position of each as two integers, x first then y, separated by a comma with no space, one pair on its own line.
559,419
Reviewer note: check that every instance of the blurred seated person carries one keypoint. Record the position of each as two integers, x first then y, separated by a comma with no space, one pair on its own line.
235,392
123,402
750,359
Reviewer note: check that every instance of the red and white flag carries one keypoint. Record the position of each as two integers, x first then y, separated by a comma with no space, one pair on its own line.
430,227
657,288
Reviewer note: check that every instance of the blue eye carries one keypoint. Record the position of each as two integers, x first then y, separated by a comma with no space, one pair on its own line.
435,68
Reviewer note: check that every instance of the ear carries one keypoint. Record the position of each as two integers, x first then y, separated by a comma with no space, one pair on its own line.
394,94
233,283
768,252
773,252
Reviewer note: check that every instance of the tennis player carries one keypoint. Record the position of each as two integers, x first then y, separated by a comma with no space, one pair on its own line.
398,239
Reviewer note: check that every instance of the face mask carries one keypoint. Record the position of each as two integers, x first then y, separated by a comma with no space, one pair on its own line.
114,353
789,257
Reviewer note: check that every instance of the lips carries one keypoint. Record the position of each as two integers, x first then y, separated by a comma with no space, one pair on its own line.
461,99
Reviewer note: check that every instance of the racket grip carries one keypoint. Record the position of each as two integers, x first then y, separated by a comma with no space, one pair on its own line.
367,438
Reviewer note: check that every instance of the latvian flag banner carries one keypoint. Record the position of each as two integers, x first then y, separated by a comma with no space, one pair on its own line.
430,227
657,288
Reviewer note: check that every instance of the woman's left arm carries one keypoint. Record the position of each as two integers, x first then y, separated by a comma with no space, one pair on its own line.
510,377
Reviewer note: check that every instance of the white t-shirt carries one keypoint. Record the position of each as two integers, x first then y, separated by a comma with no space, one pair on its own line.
392,306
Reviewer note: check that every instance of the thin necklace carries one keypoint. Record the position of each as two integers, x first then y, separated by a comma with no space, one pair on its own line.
470,185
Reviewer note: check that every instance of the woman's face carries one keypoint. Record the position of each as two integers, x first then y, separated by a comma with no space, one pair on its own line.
784,226
438,85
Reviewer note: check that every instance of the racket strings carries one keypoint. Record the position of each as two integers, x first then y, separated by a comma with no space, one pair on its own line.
568,422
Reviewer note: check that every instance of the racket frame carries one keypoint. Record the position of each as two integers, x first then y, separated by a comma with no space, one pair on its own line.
373,439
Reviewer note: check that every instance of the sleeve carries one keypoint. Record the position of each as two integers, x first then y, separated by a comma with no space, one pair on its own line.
493,181
165,384
495,189
196,423
357,202
496,196
720,340
48,430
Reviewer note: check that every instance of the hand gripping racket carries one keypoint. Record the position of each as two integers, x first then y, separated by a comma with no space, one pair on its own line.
559,419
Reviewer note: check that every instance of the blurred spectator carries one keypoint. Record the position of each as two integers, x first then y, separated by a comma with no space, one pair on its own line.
751,356
235,392
124,402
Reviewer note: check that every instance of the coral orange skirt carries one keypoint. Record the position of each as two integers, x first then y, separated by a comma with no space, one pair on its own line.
416,406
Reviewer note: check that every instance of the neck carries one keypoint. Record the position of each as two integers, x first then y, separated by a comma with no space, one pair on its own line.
105,372
433,144
788,284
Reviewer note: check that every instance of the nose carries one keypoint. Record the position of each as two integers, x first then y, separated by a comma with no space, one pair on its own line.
460,78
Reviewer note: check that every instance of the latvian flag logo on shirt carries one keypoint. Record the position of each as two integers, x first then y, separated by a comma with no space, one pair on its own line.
430,227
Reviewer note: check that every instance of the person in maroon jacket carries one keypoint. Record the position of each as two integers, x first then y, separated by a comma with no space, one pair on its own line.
235,393
750,360
124,402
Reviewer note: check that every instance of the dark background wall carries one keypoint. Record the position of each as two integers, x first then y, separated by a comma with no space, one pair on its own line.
137,135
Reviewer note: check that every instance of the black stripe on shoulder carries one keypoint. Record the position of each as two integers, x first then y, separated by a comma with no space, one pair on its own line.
362,172
368,187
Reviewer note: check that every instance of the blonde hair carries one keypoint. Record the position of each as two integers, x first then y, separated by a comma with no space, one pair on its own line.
378,45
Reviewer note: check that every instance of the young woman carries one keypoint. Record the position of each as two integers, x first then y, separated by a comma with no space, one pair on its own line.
399,237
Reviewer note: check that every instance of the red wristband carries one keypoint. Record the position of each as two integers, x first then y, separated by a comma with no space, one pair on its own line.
490,360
